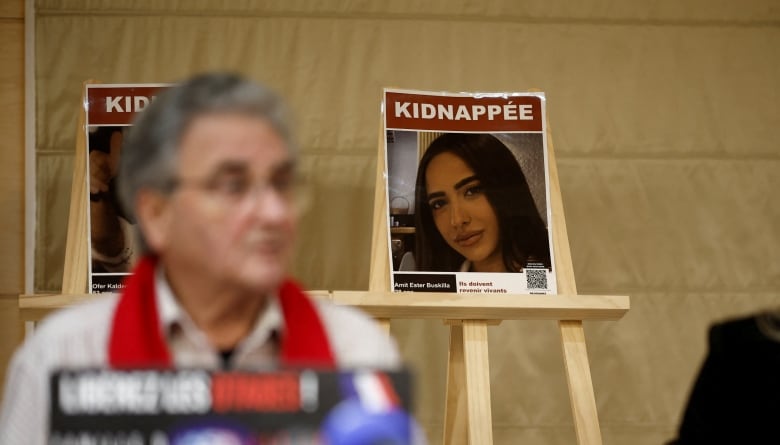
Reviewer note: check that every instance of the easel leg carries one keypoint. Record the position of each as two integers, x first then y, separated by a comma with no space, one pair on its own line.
475,351
455,406
583,400
467,413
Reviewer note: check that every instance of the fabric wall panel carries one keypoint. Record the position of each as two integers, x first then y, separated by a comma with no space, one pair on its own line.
54,172
337,68
690,11
334,223
677,225
423,345
681,84
12,9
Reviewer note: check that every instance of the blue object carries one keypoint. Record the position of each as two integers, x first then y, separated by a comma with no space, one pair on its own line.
349,423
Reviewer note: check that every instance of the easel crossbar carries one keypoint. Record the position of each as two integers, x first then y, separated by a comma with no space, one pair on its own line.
432,305
425,305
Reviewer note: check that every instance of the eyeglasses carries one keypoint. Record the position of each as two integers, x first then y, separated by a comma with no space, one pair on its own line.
235,188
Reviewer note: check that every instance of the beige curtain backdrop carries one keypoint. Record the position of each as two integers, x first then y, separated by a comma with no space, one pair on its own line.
665,121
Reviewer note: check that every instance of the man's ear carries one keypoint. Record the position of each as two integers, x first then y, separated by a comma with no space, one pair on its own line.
153,213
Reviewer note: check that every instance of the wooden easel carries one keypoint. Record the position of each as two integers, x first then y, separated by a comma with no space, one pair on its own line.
33,308
468,417
76,268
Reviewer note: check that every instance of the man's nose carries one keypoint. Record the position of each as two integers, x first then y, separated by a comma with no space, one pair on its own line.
269,205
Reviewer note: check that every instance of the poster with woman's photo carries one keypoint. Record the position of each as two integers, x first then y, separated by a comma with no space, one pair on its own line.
113,244
468,192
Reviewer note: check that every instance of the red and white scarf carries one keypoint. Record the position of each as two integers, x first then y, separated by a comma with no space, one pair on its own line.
137,341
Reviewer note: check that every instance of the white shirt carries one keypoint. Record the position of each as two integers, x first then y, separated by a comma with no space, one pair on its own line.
77,337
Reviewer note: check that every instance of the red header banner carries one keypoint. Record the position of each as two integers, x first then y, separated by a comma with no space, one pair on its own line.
116,105
488,113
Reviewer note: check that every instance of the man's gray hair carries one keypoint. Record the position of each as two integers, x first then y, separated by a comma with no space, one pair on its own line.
149,153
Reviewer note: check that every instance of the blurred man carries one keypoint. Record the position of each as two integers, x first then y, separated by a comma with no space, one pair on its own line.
209,173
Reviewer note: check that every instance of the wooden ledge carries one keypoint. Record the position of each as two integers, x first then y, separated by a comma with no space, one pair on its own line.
432,305
53,301
416,305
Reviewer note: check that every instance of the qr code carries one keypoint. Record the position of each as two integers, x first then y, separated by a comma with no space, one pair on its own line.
536,278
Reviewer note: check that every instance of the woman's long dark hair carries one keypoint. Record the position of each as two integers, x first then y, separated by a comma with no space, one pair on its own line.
522,233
